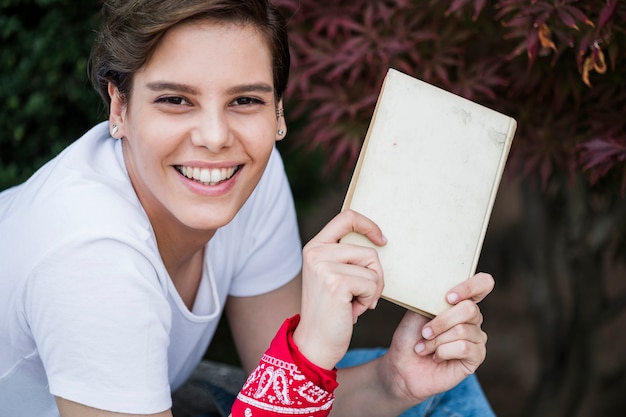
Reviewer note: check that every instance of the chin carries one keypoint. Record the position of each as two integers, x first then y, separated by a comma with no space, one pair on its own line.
207,222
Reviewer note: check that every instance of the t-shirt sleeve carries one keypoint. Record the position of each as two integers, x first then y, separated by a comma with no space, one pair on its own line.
101,326
266,231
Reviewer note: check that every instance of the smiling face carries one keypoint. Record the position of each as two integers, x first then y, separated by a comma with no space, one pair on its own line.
199,125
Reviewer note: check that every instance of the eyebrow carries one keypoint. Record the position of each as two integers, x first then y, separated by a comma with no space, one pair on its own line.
166,85
238,89
251,88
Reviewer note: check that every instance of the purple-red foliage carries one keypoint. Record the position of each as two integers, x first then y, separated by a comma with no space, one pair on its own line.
558,67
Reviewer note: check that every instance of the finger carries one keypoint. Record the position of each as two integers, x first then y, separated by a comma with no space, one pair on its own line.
471,355
464,312
410,326
315,254
347,284
468,332
332,284
475,288
359,286
350,221
320,259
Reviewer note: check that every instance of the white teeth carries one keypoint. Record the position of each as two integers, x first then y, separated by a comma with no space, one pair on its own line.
205,175
208,176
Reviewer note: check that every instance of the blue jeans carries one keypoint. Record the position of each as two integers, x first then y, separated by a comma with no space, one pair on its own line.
465,400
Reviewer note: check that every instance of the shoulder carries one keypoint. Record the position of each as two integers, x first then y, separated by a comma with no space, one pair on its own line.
80,197
86,183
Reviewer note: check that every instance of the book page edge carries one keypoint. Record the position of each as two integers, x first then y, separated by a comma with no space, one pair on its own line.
494,192
409,307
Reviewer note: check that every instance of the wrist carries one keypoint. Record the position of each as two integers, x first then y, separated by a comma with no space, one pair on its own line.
309,348
320,376
368,389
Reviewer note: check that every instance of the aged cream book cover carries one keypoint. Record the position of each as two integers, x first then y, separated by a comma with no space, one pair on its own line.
428,174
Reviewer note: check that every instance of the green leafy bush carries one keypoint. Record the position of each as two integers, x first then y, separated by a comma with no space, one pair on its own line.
47,99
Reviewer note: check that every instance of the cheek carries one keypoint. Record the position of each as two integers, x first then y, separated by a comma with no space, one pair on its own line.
150,149
260,149
259,136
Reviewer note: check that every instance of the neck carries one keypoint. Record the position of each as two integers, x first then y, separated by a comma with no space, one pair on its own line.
183,255
181,249
180,246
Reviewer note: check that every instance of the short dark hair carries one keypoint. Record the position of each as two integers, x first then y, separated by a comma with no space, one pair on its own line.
132,29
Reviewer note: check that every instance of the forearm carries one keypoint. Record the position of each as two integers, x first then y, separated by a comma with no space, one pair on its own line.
366,390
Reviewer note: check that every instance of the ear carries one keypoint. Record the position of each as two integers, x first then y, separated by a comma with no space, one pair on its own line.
281,125
117,112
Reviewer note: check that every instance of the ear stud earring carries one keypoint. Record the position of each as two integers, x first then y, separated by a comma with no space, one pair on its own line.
114,130
280,132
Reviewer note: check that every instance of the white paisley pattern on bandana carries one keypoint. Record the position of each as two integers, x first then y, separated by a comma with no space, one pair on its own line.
279,387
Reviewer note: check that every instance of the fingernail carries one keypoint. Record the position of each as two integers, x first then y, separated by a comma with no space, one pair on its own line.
427,332
374,304
356,319
452,297
420,347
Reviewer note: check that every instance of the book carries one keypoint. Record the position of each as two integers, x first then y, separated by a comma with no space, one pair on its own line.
428,174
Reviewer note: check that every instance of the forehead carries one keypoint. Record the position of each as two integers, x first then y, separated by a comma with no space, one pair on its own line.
206,50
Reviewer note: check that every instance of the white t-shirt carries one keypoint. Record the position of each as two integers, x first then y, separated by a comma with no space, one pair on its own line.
87,309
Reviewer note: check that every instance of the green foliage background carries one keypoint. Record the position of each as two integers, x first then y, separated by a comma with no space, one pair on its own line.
47,100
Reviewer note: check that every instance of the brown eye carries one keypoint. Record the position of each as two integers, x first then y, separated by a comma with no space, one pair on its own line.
246,101
174,100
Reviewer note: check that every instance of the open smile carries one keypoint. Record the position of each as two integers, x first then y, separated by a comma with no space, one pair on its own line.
208,176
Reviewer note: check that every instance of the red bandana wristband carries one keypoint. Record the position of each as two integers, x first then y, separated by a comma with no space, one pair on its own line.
285,382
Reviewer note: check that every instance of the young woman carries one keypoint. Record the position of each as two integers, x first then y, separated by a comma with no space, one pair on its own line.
119,256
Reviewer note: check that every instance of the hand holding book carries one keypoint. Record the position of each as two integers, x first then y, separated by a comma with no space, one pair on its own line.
437,354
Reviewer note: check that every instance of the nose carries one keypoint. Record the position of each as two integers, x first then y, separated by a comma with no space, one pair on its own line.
212,131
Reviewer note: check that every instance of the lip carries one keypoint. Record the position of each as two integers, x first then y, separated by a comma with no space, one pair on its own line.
219,188
208,175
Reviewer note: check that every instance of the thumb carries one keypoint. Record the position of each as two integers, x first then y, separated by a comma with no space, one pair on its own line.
409,331
350,221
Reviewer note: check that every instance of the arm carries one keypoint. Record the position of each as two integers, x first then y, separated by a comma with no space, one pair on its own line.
69,408
254,320
87,324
